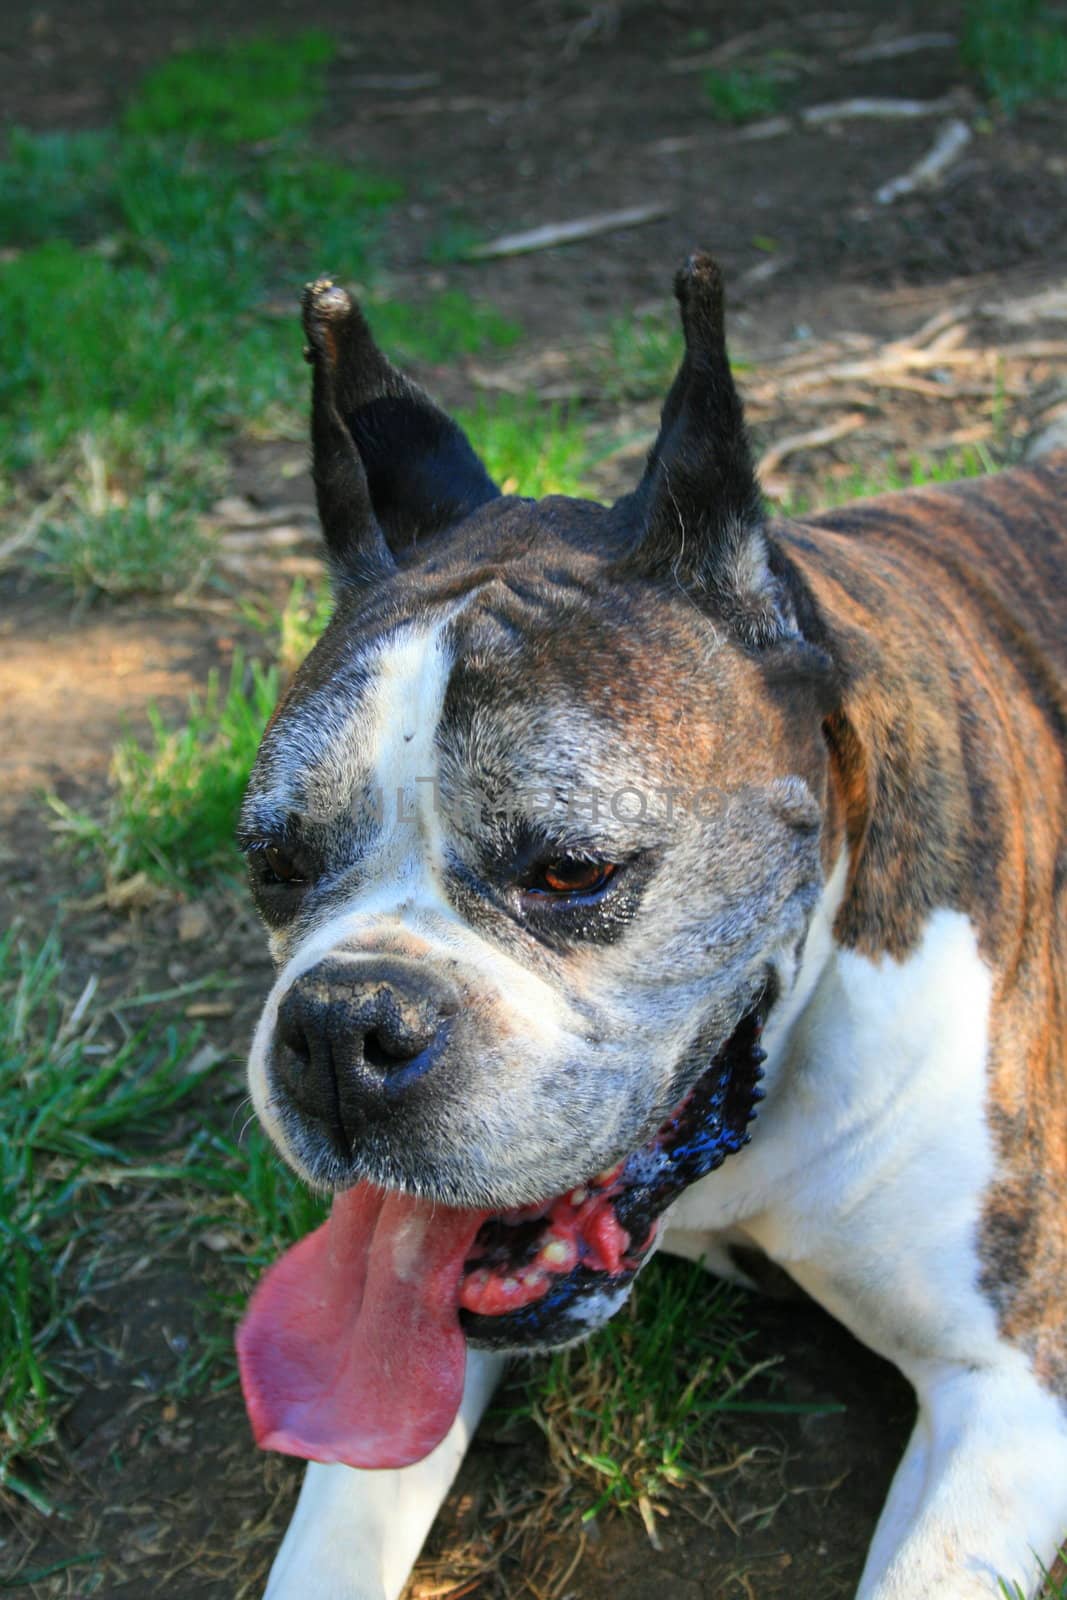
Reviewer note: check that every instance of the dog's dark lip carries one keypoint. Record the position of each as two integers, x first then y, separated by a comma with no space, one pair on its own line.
531,1268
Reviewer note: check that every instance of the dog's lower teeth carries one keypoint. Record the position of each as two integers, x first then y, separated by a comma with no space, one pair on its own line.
558,1253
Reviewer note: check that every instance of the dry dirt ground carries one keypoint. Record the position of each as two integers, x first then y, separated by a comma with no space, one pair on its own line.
933,322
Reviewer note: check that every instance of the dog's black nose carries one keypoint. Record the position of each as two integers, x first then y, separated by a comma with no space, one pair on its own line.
354,1035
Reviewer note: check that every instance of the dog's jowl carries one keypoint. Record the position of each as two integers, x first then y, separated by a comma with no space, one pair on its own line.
658,875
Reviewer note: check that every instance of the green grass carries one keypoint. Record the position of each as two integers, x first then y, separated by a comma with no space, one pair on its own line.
55,184
454,240
442,329
172,328
529,447
643,354
175,794
129,519
175,798
87,1113
162,349
293,628
243,92
149,302
249,1207
862,483
631,1416
1017,50
741,95
79,1105
1053,1589
143,544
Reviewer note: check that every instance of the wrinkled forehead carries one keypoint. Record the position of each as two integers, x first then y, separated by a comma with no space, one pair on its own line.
528,682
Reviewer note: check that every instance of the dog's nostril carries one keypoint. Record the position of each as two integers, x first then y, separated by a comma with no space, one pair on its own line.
293,1034
379,1051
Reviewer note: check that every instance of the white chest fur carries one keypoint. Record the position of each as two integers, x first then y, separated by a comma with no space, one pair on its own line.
866,1178
872,1156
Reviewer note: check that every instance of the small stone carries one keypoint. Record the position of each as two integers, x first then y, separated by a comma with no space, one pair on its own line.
194,921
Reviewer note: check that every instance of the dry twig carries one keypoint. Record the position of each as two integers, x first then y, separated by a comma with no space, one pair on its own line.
905,45
551,234
399,83
953,139
862,109
729,50
900,359
791,443
431,104
32,526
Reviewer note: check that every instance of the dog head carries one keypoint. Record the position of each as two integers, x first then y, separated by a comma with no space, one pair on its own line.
535,829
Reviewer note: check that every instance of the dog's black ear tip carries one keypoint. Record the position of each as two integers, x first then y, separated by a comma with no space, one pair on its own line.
324,305
699,290
699,273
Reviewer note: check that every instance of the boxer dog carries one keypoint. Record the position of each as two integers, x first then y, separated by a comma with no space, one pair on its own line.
662,875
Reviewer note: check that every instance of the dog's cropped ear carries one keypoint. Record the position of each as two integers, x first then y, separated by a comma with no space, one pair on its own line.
390,468
698,511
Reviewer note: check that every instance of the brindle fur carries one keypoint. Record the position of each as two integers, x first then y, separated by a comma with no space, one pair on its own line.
948,758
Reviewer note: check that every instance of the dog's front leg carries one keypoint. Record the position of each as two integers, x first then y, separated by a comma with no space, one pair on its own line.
355,1535
980,1497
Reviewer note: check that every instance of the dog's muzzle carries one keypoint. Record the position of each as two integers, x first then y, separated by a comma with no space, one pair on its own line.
353,1348
354,1036
546,1274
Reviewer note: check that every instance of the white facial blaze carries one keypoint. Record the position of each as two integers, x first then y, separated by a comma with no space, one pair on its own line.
390,746
408,700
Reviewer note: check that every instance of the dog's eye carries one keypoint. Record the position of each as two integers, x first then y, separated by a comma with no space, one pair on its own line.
571,875
278,863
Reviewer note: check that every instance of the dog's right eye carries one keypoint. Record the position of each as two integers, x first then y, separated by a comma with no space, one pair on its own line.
277,863
282,864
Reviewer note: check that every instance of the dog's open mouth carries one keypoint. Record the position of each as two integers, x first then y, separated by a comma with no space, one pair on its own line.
354,1345
542,1275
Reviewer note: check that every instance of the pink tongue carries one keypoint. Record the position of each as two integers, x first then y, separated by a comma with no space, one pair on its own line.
351,1348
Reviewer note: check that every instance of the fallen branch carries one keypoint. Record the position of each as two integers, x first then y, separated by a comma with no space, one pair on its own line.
950,339
1047,305
877,110
729,50
764,271
601,22
431,104
897,360
280,536
248,566
399,83
906,45
976,433
792,443
933,328
237,512
769,128
953,139
32,526
551,234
